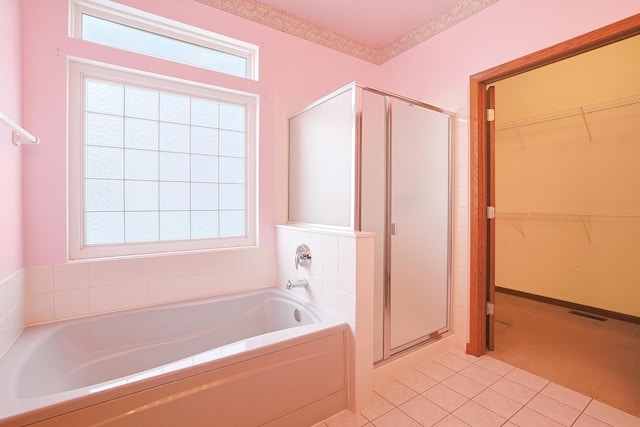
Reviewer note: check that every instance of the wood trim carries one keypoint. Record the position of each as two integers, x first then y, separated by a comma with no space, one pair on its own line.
572,305
477,218
491,223
604,36
620,30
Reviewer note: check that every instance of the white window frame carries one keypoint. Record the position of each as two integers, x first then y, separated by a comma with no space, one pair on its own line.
79,70
115,12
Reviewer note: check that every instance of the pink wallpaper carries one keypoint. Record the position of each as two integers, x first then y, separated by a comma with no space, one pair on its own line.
502,32
10,156
293,72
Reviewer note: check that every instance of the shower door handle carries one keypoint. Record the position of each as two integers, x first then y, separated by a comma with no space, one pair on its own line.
394,229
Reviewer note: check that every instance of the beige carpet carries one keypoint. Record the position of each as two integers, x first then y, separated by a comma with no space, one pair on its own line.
598,359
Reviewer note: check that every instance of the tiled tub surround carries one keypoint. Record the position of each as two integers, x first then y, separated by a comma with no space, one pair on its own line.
165,365
458,390
340,278
63,291
12,309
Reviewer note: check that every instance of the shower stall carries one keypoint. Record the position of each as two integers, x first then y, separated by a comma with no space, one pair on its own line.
361,159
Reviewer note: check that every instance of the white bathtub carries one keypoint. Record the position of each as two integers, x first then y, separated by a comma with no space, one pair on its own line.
237,360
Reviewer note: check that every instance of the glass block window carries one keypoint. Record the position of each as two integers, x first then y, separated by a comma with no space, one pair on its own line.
161,163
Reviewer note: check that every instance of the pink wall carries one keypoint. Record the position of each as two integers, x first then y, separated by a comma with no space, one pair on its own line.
438,71
293,72
504,31
10,156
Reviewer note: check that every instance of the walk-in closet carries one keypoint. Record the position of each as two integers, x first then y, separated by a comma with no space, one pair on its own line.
567,228
567,169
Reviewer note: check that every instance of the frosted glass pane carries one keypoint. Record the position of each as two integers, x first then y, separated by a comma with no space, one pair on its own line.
141,164
231,143
174,225
420,209
104,195
204,140
231,170
104,97
373,206
174,137
104,130
104,227
141,134
141,226
204,168
141,103
232,117
204,224
104,162
204,113
175,196
175,108
321,164
204,196
231,196
174,167
232,223
136,40
141,195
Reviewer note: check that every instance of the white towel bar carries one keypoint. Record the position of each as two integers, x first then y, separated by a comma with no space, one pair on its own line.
18,134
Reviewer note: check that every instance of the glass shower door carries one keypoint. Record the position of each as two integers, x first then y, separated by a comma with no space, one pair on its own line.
419,224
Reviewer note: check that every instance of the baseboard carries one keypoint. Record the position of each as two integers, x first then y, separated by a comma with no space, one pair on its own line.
572,305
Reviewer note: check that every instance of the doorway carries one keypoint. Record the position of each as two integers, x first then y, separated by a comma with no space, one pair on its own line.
567,223
480,264
482,267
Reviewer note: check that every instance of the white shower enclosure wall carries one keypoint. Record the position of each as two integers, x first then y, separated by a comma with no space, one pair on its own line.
361,159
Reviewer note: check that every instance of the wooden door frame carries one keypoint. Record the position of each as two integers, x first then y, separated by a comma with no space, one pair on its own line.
478,268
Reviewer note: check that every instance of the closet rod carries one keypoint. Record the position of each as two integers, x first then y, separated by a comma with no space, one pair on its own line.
19,135
581,217
626,101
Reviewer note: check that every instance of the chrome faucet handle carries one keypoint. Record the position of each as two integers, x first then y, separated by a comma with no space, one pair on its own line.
303,256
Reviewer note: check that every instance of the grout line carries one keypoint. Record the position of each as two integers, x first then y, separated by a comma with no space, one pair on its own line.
467,399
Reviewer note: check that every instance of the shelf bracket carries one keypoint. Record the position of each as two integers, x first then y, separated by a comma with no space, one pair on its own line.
524,147
586,123
517,224
586,225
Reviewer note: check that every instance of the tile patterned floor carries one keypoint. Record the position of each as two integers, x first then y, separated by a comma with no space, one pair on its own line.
458,390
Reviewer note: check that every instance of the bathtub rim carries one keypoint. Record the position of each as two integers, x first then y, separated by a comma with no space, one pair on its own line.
29,410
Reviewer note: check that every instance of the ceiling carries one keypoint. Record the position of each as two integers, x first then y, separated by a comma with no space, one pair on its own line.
373,30
376,23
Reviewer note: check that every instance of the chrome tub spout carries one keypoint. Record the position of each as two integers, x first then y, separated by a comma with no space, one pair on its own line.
300,283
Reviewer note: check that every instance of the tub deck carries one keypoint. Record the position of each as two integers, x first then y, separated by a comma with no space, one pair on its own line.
132,367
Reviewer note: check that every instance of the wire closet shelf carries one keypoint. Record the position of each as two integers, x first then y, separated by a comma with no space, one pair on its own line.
567,216
583,111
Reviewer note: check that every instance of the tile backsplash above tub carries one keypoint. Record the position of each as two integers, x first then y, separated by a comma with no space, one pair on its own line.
61,291
340,281
12,309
